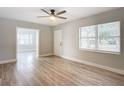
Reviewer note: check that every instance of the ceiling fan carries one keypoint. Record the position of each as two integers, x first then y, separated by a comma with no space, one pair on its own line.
52,14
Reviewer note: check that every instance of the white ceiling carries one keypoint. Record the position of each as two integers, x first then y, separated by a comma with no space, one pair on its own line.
30,13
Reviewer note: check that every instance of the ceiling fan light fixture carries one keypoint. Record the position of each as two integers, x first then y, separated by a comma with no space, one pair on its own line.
52,18
53,15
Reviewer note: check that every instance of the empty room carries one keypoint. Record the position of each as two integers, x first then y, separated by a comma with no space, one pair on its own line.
61,46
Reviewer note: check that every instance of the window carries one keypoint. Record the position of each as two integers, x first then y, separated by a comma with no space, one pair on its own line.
109,37
25,38
87,38
101,37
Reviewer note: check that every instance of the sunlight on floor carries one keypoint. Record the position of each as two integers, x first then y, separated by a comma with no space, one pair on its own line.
27,56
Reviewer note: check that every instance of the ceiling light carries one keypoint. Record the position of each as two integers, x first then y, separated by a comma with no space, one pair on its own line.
52,18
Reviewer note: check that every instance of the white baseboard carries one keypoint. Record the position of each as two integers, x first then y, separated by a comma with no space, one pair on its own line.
44,55
119,71
8,61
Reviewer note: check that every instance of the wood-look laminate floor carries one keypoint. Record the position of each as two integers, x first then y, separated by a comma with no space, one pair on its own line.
54,71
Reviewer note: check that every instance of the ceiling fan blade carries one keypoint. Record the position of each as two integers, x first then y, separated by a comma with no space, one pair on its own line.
61,17
62,12
42,16
45,11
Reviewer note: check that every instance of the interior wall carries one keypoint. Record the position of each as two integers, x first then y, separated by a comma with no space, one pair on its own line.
71,39
8,38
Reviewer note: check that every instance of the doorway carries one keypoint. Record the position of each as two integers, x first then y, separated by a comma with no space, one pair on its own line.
27,43
58,42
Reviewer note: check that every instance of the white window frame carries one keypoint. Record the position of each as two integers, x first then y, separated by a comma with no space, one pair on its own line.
96,44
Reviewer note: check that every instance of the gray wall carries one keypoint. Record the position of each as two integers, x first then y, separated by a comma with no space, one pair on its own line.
8,38
71,39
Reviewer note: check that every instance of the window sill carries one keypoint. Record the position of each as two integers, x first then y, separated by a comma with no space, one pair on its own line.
100,51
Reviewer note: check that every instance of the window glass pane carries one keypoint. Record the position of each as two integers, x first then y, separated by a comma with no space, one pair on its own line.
21,42
87,36
88,31
83,43
109,44
91,43
25,39
83,32
109,29
91,31
108,37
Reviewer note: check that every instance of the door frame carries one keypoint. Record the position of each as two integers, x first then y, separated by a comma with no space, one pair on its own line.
37,41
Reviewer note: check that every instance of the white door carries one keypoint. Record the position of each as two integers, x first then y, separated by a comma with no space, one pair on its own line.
58,42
